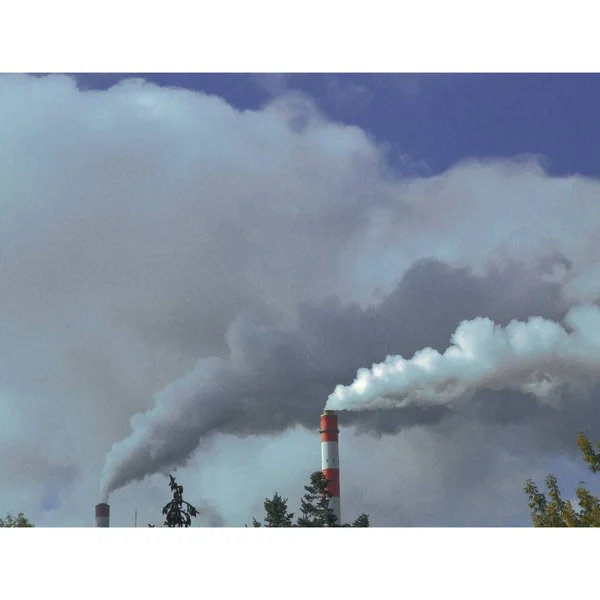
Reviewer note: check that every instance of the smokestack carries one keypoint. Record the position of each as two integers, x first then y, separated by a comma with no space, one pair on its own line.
102,515
330,459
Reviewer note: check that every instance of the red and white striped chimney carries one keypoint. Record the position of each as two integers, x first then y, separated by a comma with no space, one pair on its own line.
330,459
102,515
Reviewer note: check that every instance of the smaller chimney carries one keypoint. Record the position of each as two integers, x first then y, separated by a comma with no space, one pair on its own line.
102,515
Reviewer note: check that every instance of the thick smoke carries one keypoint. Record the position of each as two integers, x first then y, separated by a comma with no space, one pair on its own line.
538,357
173,428
138,222
276,376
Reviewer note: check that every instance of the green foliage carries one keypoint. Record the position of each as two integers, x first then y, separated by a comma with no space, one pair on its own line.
314,505
362,521
591,457
276,513
553,511
178,512
19,521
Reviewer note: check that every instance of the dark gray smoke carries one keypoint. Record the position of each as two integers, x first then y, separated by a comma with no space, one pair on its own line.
276,377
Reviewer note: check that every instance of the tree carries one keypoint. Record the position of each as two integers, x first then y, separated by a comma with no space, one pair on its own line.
362,521
19,521
276,513
314,505
553,511
178,512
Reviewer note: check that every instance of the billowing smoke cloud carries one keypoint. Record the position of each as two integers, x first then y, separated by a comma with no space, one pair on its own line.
172,429
277,376
140,223
538,357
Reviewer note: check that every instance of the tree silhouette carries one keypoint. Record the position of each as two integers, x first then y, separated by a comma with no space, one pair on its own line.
178,512
362,521
276,513
315,508
314,505
19,521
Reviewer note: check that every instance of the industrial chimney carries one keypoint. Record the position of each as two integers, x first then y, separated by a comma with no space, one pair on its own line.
330,459
102,515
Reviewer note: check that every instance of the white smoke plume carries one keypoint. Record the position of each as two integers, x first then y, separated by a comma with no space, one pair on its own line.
172,429
537,357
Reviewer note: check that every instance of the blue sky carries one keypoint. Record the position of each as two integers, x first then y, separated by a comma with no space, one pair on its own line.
436,119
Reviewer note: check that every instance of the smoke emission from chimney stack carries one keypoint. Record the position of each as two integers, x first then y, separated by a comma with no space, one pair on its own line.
274,375
538,357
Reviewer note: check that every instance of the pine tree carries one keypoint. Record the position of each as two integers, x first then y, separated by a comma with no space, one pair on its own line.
362,521
314,505
276,513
